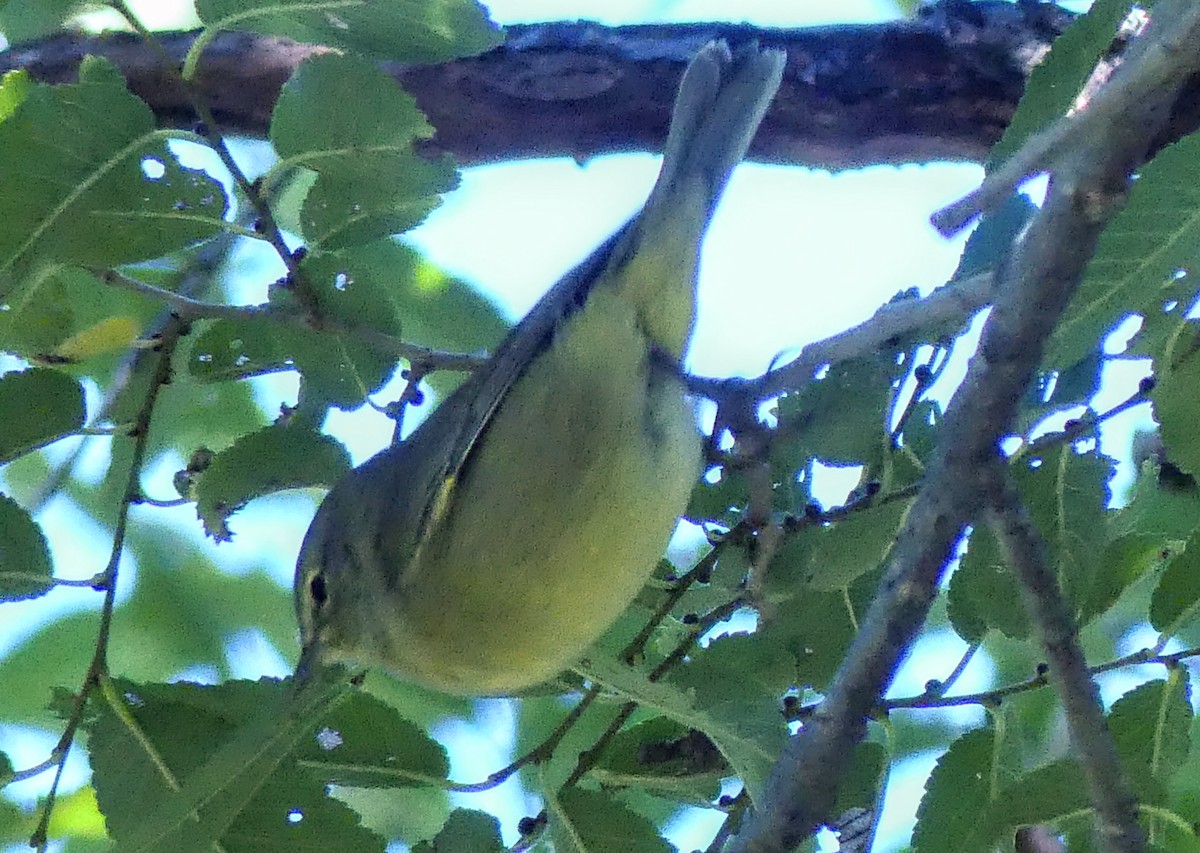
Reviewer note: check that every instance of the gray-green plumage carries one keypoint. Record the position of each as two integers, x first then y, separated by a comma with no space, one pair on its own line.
487,551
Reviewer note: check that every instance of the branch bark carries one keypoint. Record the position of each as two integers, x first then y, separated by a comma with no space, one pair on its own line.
941,87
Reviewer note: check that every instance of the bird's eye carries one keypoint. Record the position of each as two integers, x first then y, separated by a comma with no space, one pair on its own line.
316,588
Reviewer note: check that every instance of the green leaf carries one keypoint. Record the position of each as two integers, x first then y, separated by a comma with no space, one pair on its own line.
1141,261
382,287
860,786
355,127
738,666
1176,598
89,180
663,756
56,305
39,406
1053,794
229,780
816,627
957,791
1163,514
1151,726
749,734
594,822
365,743
1058,79
983,593
410,31
831,557
15,87
1177,410
466,831
841,418
25,567
1067,495
278,457
1125,560
26,20
181,614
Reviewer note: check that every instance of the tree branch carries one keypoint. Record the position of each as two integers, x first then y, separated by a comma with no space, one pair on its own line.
1092,742
1085,191
940,87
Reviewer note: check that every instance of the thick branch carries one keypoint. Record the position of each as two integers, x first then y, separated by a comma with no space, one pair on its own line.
1085,191
942,87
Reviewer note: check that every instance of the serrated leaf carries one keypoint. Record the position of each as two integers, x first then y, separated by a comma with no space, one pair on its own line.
278,457
1177,410
1176,598
25,567
841,417
1151,726
1048,795
1142,262
738,666
410,31
466,831
1161,513
40,406
365,743
816,627
1057,80
830,557
1125,560
749,734
983,593
957,791
665,756
163,792
594,822
1067,495
338,369
355,127
89,180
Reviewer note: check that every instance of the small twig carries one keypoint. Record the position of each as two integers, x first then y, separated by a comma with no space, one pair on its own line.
265,227
952,303
537,755
385,343
107,580
991,698
1025,553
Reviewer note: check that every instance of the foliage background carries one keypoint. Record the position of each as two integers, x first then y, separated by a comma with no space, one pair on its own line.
179,616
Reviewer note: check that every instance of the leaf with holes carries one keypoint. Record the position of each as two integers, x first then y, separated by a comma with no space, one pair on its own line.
88,179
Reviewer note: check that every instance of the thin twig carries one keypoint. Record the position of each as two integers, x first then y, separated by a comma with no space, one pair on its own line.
1025,552
107,580
383,342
